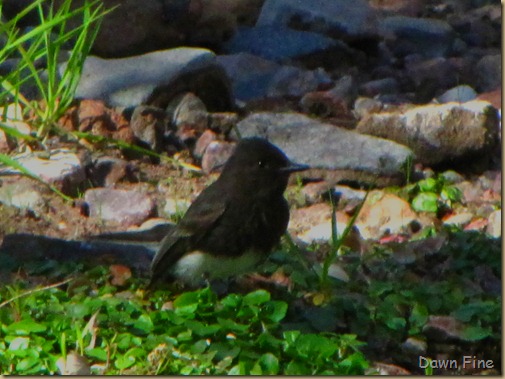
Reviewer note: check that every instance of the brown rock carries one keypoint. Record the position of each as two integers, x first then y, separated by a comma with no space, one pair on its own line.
384,214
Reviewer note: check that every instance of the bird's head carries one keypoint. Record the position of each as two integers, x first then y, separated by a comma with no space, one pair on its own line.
257,166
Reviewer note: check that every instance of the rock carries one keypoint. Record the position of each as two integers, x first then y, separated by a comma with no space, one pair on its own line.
488,71
62,169
470,191
425,36
493,97
12,117
149,126
280,44
290,81
389,369
222,122
366,105
379,86
107,171
349,194
411,8
189,116
429,76
459,94
494,226
21,193
452,177
216,155
149,32
458,219
335,102
414,346
332,152
254,77
443,328
438,133
155,78
322,232
92,117
306,217
384,214
175,207
73,364
250,75
313,192
203,142
338,18
125,207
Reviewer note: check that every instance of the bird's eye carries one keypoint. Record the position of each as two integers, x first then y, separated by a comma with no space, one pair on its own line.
262,164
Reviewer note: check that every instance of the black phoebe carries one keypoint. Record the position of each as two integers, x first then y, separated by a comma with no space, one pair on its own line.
234,223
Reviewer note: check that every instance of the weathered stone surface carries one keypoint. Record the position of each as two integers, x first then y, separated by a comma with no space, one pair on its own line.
126,207
335,17
489,73
107,171
460,94
331,151
21,193
61,168
216,154
281,44
438,133
149,125
155,78
384,214
408,35
254,77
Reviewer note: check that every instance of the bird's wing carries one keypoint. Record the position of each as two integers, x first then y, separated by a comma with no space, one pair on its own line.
201,216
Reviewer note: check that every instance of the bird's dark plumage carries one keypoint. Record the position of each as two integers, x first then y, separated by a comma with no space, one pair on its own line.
234,223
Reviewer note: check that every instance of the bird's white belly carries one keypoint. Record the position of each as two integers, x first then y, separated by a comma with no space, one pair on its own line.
195,267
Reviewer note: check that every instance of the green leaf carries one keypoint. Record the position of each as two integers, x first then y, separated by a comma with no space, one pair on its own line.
275,310
28,365
451,193
269,364
124,362
256,297
428,185
97,353
296,368
26,327
425,202
201,329
396,323
144,324
475,333
232,326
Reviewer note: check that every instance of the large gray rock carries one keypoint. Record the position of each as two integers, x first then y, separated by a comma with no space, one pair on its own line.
489,72
332,152
254,77
438,133
342,18
155,78
281,44
408,35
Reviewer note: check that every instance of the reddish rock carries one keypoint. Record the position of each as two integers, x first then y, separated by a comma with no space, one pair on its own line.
494,97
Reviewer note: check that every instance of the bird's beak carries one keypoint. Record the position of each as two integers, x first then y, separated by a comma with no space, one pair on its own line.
294,167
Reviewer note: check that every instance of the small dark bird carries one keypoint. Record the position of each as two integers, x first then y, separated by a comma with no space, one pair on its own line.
234,223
